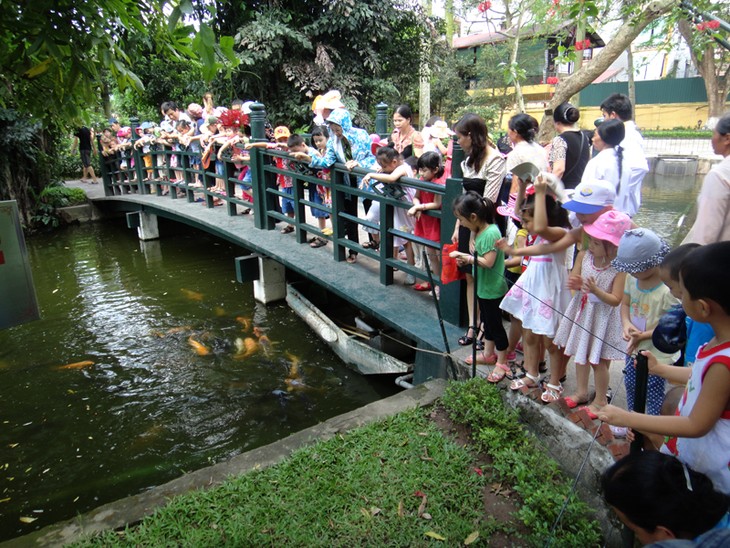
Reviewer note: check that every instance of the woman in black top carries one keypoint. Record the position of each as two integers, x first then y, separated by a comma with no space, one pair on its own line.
571,148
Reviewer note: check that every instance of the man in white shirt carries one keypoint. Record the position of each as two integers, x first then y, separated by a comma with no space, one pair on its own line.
617,106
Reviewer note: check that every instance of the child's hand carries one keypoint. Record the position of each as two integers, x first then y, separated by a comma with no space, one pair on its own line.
541,185
455,236
365,181
301,156
575,283
248,146
634,339
351,164
415,211
502,245
613,415
589,285
628,331
653,364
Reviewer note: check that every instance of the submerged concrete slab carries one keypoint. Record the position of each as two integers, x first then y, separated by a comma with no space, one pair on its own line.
133,509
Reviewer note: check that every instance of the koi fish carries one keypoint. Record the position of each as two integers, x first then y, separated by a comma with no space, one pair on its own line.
258,331
245,322
266,345
192,295
77,365
179,329
219,311
293,365
246,348
200,348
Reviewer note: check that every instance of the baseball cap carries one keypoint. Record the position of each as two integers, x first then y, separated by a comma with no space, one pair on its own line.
281,132
591,197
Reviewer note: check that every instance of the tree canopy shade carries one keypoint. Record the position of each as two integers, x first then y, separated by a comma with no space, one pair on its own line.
55,52
291,50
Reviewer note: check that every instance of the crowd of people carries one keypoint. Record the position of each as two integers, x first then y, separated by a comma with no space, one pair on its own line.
547,235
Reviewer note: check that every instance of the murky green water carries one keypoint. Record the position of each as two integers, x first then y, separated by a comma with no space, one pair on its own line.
149,408
665,201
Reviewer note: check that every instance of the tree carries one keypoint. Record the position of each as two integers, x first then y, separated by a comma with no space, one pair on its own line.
698,29
56,57
643,13
290,51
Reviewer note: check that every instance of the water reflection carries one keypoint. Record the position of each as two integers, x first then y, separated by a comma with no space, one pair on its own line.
664,201
149,408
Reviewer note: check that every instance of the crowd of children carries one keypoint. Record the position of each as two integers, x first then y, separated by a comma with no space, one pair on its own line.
576,276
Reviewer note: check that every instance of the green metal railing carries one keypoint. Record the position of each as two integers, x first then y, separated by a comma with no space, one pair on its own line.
172,175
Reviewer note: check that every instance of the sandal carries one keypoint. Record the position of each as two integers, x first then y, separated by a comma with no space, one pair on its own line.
466,340
352,259
318,242
534,382
573,403
552,393
371,245
591,414
495,376
287,229
422,287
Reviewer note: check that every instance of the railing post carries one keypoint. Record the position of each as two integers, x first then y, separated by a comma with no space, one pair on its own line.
452,300
257,118
134,154
381,118
104,167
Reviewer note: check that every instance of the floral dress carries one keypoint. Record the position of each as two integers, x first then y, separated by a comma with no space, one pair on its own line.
594,333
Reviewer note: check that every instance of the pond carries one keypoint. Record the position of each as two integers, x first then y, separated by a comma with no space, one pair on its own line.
107,394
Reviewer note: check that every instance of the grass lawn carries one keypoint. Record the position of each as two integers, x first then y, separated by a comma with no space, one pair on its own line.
404,481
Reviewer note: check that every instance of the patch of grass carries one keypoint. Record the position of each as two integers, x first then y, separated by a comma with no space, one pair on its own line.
519,462
367,488
62,196
677,133
357,489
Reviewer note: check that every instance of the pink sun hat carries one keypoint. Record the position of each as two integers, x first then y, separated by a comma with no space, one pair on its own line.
509,209
610,226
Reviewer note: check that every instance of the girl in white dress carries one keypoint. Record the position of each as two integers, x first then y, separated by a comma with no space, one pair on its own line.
540,295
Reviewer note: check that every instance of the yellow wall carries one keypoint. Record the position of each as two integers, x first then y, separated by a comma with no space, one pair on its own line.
667,116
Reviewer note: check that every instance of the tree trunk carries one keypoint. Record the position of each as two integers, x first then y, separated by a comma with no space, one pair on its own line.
449,14
424,91
590,71
632,82
580,35
716,85
513,62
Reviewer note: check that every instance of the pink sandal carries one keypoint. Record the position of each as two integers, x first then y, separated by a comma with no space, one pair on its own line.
482,359
498,373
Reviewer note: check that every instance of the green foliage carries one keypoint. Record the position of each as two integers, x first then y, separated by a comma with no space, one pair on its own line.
357,489
677,133
290,51
55,55
62,196
517,459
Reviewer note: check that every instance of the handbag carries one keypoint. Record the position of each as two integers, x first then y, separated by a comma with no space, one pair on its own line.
449,269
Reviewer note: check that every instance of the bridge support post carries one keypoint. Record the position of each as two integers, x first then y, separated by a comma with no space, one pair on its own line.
271,284
147,228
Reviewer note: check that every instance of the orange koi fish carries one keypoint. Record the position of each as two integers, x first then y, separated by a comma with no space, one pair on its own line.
245,322
246,347
200,348
77,365
192,295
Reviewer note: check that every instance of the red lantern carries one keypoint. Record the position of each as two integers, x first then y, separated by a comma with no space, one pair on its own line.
700,27
578,46
714,24
586,44
484,6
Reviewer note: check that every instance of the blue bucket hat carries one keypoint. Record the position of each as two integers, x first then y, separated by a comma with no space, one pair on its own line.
639,249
